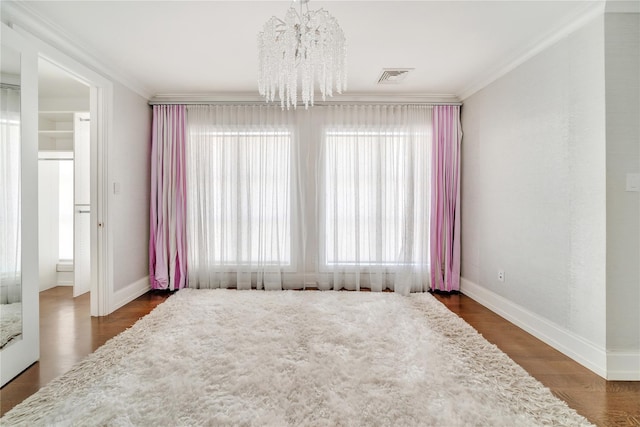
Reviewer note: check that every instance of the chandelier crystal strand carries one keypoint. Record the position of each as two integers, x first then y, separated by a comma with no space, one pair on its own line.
301,50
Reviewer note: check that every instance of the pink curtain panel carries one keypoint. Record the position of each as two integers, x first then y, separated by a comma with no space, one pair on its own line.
445,199
167,242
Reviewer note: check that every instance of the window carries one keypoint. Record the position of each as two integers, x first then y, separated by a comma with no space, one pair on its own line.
334,197
239,192
374,183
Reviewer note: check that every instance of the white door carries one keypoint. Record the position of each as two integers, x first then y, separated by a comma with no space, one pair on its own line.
82,204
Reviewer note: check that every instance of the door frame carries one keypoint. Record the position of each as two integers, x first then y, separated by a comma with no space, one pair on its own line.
101,111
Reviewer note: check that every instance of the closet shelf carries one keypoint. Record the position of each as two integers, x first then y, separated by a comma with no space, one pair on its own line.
57,115
56,133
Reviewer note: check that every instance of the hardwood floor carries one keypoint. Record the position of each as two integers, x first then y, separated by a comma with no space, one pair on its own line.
604,403
68,334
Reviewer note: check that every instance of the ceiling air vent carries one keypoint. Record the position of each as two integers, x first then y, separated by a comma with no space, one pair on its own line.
393,75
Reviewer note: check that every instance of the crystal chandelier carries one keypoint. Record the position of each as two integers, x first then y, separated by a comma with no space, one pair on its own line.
305,46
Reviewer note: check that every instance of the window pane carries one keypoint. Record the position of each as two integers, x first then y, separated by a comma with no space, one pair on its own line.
370,199
239,197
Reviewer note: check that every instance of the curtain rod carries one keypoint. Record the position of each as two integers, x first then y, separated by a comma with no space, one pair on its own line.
315,104
254,99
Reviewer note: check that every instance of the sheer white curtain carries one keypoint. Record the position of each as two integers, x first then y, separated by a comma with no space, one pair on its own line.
10,258
240,196
332,197
374,198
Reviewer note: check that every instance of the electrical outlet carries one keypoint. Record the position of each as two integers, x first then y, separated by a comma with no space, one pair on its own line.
501,275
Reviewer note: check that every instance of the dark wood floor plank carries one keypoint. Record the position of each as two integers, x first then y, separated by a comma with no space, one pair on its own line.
68,334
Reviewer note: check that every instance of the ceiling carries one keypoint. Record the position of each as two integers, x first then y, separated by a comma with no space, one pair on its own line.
209,47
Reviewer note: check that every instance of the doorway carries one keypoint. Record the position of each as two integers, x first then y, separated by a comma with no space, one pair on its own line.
22,353
64,197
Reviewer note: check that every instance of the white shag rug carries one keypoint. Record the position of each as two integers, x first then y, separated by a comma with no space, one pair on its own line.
226,357
10,322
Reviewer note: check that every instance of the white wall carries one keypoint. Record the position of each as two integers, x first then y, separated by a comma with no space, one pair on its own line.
622,41
533,186
48,176
64,104
546,151
129,167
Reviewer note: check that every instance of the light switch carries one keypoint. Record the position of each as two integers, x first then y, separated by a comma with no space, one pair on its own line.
633,182
116,188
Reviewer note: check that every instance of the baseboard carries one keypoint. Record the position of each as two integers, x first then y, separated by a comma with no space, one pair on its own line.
584,352
129,293
623,366
47,287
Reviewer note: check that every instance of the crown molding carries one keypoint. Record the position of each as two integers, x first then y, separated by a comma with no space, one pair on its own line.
254,98
553,37
22,18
